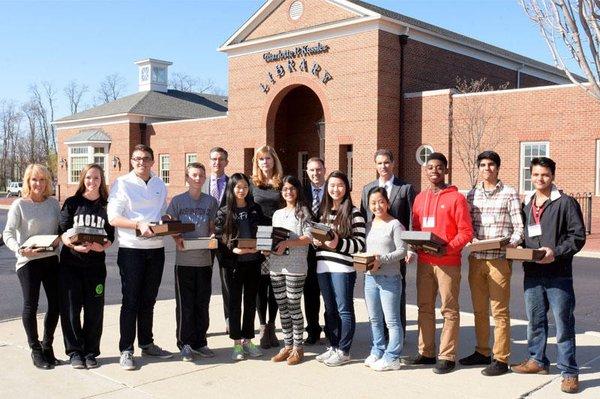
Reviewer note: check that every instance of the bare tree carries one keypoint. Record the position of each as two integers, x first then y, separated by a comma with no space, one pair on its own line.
474,124
111,88
10,120
185,82
44,118
74,92
31,112
571,29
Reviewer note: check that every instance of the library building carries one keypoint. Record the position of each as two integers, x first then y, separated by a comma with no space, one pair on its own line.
340,79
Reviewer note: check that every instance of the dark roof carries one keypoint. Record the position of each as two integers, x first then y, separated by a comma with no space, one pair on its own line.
468,41
173,104
93,135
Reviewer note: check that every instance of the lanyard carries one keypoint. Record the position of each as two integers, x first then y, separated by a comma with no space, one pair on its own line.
537,215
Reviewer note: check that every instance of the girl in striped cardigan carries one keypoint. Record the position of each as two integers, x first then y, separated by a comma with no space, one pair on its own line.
335,269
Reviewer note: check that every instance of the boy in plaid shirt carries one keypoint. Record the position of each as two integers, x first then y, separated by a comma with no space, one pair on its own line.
495,213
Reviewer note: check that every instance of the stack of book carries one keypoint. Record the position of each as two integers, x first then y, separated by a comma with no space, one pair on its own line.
169,227
321,231
425,240
268,237
81,235
245,243
363,261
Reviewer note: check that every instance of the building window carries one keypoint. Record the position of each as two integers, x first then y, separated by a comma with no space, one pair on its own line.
164,167
82,155
302,160
423,153
530,150
598,167
189,159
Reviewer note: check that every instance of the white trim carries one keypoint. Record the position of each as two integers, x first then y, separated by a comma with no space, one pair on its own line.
418,153
94,118
522,145
188,120
597,167
429,93
93,124
160,167
90,145
511,91
87,142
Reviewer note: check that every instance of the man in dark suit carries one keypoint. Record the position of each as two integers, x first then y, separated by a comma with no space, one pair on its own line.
215,185
313,192
401,196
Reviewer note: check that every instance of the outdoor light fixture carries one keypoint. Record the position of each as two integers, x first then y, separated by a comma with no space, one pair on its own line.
63,162
116,162
321,132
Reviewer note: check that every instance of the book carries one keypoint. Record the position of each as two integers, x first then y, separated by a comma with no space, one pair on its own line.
321,231
42,243
486,245
169,227
81,235
200,243
363,261
246,243
424,239
526,254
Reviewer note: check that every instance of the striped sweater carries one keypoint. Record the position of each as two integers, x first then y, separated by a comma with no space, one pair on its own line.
339,260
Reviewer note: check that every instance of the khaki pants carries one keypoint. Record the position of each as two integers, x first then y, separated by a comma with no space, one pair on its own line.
432,279
489,280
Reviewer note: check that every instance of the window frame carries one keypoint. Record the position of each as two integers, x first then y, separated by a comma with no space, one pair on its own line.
418,153
90,156
161,169
522,156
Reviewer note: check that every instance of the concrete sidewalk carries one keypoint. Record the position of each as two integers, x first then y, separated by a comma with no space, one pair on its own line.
222,378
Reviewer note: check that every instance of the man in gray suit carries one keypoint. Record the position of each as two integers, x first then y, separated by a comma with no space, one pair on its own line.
215,185
401,196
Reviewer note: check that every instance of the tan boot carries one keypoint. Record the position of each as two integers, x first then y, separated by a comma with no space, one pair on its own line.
568,385
296,356
264,339
529,367
283,354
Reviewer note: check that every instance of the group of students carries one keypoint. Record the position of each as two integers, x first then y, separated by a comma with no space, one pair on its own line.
232,208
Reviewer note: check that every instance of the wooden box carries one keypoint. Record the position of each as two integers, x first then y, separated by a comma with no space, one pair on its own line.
168,228
423,239
246,243
200,243
42,243
526,254
321,232
82,238
486,245
363,262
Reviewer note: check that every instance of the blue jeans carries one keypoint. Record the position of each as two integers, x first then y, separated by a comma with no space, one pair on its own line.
337,290
383,296
541,295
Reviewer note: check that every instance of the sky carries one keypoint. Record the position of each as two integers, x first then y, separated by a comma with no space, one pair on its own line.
60,41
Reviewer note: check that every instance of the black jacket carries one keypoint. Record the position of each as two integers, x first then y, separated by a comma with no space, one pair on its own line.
401,199
562,230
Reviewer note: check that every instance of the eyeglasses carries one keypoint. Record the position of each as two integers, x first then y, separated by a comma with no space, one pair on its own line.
142,159
288,189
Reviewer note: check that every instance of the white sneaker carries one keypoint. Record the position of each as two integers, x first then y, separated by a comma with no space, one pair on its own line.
337,359
386,365
326,355
126,360
369,361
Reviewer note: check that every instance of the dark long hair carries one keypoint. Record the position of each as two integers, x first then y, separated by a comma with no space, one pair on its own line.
302,211
343,217
230,228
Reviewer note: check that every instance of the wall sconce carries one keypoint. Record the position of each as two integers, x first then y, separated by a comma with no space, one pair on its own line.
116,161
62,162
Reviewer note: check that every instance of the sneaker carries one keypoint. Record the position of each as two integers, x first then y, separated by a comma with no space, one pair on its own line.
325,355
370,360
126,360
251,349
419,360
529,366
496,368
91,362
186,353
475,359
570,384
77,361
337,359
238,353
444,366
385,365
205,351
154,350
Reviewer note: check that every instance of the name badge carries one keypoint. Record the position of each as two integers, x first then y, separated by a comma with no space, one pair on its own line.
534,230
488,219
429,221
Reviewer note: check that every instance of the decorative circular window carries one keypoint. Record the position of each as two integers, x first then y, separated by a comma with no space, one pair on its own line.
296,10
423,153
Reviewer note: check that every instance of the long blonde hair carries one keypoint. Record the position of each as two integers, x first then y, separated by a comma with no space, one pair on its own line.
258,177
32,170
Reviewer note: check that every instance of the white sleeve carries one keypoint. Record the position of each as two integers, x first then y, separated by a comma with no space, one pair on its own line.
117,201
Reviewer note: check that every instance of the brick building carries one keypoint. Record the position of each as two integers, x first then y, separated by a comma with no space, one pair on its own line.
326,77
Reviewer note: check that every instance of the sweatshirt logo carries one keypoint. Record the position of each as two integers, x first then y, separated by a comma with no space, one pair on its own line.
86,220
99,289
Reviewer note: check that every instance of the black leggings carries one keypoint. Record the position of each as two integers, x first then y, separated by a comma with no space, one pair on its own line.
31,276
266,299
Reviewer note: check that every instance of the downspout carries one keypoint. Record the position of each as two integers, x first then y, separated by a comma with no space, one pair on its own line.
403,40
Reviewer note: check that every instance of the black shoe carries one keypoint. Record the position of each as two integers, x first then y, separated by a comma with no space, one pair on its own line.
48,354
419,359
91,362
38,360
475,359
312,339
77,361
496,368
444,366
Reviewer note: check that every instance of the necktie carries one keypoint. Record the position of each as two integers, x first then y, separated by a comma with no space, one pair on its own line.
316,202
214,189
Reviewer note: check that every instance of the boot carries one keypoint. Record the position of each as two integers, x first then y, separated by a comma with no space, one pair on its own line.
48,354
283,354
263,337
295,356
38,360
272,336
